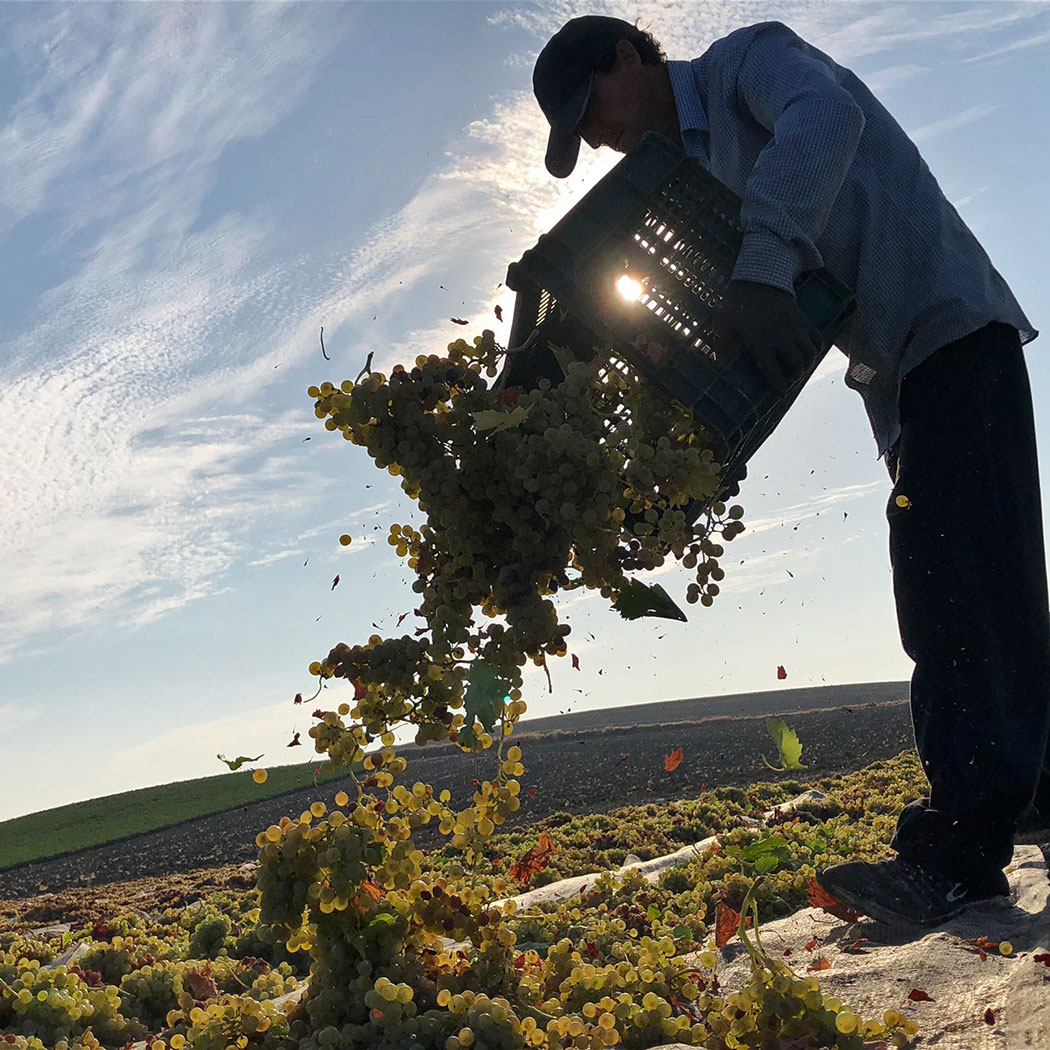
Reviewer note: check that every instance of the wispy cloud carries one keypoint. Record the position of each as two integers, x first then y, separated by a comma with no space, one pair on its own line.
957,120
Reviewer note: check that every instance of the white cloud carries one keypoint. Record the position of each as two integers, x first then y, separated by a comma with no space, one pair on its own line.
957,120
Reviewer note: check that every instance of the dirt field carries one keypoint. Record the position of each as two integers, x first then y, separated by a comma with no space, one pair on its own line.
578,769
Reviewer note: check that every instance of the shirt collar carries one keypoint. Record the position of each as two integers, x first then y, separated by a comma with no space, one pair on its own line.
691,115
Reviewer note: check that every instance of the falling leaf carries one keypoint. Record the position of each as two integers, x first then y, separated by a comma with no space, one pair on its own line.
296,742
575,662
498,312
532,861
781,673
790,573
335,582
639,599
989,1016
400,618
815,943
673,760
787,744
494,420
318,713
532,791
917,995
820,964
857,947
623,758
298,698
591,950
236,763
326,357
458,320
819,898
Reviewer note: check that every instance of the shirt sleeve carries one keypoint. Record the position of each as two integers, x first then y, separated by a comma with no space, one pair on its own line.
816,126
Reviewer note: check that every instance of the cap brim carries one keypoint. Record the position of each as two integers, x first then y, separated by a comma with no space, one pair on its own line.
563,144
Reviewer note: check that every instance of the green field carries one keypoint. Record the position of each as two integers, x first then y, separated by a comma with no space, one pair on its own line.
80,825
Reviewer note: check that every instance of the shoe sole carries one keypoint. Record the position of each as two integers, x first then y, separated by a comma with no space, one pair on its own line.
892,918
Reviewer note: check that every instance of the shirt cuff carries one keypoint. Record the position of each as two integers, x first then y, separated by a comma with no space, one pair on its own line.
767,259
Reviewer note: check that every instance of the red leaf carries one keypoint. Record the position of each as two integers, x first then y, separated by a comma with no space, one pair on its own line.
319,713
575,662
819,898
510,395
781,673
400,618
533,860
475,783
727,922
1043,957
298,698
591,950
335,582
498,312
989,1016
623,758
296,742
810,945
821,964
917,995
458,320
200,984
532,791
673,760
360,690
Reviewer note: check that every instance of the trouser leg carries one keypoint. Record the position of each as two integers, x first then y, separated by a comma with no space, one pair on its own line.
969,579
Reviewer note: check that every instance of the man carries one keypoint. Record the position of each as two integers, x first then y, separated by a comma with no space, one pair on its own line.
828,178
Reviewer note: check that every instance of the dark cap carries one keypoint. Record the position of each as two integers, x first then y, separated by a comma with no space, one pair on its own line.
562,80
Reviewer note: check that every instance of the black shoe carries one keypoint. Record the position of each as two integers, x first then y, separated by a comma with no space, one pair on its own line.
1033,828
896,891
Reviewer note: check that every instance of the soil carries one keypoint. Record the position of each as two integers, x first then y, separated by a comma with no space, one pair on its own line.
576,770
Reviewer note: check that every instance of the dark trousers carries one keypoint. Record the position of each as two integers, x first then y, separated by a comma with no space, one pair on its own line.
969,579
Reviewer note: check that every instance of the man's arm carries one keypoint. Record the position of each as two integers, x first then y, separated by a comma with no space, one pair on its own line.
816,126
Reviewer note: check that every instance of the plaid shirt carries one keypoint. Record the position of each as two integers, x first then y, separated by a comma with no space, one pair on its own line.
829,179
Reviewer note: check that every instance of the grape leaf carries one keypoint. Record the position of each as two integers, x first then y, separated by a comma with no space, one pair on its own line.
483,699
494,420
533,860
640,599
787,743
236,763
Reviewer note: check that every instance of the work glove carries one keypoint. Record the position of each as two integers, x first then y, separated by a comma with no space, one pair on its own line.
767,324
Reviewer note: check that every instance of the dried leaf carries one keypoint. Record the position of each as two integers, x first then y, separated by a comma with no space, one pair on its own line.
810,945
727,922
375,892
575,662
917,995
989,1016
458,320
498,312
781,673
335,582
199,984
623,758
298,698
673,760
295,742
820,898
532,861
821,964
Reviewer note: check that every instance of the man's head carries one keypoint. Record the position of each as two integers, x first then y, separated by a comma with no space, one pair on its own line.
602,80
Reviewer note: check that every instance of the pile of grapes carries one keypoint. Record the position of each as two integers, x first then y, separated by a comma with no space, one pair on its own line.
525,494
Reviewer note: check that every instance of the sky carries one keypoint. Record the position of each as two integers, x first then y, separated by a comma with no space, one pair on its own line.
189,192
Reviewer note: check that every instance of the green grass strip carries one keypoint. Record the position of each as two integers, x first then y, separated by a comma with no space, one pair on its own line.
81,825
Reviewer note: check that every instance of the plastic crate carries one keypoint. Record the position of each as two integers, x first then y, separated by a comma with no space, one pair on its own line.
664,221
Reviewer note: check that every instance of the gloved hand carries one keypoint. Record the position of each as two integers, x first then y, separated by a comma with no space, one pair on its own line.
766,323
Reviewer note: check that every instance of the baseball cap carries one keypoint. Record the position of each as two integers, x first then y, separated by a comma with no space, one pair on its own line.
562,79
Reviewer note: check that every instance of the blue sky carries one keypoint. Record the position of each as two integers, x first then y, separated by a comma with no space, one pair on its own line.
188,192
